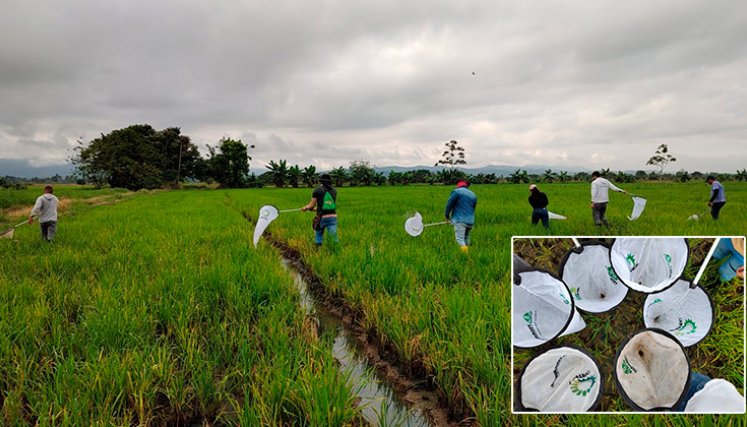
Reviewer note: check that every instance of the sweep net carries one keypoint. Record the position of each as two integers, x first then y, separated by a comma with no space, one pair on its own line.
553,215
647,264
689,319
414,225
652,370
639,204
593,283
267,214
563,379
542,308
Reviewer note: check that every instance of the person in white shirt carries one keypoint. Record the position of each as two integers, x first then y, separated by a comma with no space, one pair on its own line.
46,209
600,197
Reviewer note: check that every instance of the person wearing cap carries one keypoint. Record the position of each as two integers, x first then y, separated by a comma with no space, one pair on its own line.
46,209
324,199
600,197
732,252
539,203
460,212
718,196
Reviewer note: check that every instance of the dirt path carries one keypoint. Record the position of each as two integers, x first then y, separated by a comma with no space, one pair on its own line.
65,203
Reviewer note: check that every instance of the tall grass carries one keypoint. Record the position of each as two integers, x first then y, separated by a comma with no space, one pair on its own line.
453,311
156,311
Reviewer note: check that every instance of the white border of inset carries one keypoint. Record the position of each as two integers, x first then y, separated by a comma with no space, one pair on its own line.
744,331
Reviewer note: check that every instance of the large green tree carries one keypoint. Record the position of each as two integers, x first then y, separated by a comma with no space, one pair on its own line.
661,158
138,157
229,163
360,173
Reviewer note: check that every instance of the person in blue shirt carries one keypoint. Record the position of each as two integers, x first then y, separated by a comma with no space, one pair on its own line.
718,197
460,212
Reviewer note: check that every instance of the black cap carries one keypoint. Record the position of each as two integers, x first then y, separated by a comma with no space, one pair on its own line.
710,177
326,179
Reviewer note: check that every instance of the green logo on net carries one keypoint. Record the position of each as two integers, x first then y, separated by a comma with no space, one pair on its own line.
530,317
582,384
685,327
668,261
632,264
627,367
613,276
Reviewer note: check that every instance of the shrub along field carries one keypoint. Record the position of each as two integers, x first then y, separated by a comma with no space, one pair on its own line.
168,286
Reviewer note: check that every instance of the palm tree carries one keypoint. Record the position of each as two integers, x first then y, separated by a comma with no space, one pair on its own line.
308,175
518,177
563,176
379,178
294,175
548,176
339,175
279,172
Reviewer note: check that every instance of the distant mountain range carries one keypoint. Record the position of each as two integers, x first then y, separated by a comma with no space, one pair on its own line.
23,169
498,170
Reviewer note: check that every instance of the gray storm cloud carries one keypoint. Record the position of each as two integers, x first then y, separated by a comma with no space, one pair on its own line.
574,83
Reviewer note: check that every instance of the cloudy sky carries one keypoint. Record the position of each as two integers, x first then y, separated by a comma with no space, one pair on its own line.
589,84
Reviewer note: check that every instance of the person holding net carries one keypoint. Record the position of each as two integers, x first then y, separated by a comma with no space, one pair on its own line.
45,209
538,201
460,212
600,197
718,196
324,199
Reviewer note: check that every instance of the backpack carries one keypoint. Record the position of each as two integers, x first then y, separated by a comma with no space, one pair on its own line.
328,204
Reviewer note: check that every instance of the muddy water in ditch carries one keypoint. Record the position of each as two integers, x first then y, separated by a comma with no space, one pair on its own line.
379,404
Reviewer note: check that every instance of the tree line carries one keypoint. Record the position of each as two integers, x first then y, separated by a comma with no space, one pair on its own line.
140,156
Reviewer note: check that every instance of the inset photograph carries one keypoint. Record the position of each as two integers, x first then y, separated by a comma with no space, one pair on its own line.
628,324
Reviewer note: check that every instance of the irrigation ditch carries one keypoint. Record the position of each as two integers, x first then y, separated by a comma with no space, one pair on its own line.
388,390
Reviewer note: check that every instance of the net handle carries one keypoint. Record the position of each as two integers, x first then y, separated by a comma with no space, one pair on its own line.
705,263
435,223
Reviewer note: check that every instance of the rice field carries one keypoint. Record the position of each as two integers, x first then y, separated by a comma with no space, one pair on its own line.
162,303
154,311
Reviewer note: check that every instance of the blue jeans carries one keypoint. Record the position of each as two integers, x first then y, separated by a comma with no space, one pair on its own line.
541,214
461,232
734,259
329,224
697,382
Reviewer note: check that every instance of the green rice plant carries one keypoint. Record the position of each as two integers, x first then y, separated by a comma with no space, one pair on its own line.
429,301
134,318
